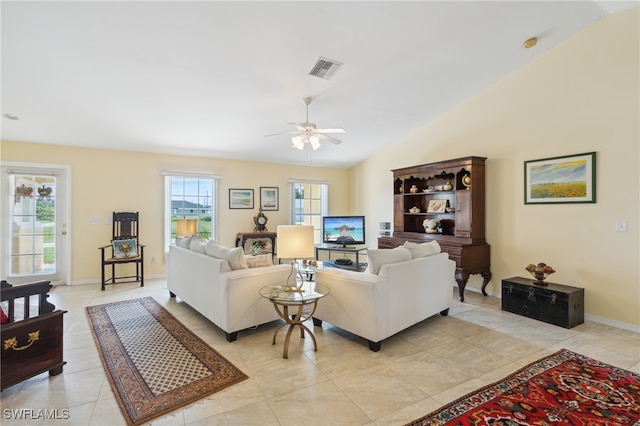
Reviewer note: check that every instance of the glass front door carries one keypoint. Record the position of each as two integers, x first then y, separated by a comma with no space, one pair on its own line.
34,219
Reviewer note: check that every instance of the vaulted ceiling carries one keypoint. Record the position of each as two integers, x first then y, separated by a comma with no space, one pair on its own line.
211,78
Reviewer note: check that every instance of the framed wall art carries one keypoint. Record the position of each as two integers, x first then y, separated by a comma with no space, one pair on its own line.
269,198
240,198
558,180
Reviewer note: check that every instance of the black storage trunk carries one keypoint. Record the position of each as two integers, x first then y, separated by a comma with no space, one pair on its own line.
554,303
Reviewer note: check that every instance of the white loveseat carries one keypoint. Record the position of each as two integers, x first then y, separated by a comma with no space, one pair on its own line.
228,298
397,292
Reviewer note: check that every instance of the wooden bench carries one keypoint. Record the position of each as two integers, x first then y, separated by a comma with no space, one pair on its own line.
31,343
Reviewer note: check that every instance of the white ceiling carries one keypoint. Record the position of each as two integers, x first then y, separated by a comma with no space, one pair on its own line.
212,78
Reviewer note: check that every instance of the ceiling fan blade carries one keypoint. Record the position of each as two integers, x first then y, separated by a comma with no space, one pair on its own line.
285,133
328,138
335,130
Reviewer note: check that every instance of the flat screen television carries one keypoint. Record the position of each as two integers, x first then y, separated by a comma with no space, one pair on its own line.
343,230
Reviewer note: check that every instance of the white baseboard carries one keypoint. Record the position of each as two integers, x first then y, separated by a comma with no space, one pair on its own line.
613,323
588,317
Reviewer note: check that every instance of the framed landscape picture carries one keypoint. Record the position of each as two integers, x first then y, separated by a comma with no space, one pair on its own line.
269,198
556,180
240,198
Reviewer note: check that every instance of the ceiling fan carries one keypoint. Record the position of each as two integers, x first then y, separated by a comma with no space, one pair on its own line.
308,133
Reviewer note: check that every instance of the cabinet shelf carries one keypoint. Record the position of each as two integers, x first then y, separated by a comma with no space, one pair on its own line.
463,231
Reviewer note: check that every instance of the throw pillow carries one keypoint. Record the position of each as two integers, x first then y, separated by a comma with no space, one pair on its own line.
235,256
422,249
198,244
379,257
125,248
259,261
211,246
3,317
184,242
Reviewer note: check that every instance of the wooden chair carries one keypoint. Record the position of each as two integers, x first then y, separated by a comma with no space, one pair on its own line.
125,248
31,343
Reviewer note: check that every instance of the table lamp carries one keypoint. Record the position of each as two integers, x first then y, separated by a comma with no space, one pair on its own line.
186,227
295,242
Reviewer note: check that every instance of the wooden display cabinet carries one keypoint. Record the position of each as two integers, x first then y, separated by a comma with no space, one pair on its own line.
459,184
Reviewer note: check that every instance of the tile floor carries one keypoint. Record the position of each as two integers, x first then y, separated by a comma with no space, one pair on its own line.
344,383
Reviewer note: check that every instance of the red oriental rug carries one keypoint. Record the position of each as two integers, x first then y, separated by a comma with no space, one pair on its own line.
565,388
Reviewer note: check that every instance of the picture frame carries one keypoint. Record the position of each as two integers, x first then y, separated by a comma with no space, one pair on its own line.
437,206
240,198
269,198
561,180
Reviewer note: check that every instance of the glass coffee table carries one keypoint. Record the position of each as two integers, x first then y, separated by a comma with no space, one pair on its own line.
297,298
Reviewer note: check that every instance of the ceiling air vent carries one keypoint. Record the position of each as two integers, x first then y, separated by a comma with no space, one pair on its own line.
325,68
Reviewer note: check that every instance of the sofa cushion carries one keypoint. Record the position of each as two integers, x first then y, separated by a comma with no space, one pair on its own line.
3,317
198,244
184,242
422,249
379,257
234,256
259,261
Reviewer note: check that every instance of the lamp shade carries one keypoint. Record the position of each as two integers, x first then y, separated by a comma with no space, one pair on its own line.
295,242
185,227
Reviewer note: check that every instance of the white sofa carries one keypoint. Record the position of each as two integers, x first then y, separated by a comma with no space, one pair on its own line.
228,298
376,306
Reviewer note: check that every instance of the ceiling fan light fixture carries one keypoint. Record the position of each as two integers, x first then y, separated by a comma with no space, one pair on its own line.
297,142
307,133
315,142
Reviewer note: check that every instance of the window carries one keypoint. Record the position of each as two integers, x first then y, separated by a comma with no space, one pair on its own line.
33,217
190,197
309,205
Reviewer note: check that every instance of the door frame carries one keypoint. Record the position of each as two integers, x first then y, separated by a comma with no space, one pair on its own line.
63,272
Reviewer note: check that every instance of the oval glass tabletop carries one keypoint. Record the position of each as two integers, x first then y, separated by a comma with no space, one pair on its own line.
307,292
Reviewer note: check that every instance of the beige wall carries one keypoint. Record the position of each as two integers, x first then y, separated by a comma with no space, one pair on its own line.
580,97
104,181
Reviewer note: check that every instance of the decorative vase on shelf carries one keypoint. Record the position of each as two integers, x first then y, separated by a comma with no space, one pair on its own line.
447,186
431,226
413,189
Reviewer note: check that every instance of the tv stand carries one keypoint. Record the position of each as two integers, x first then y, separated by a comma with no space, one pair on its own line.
342,246
342,249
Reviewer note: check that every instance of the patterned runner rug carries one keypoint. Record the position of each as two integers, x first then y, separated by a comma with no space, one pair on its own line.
155,364
561,389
